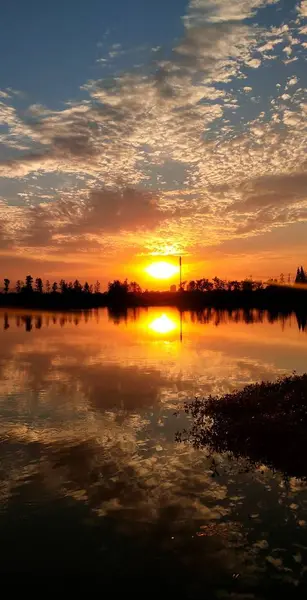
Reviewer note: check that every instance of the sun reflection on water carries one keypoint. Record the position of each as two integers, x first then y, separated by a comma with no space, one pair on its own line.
163,325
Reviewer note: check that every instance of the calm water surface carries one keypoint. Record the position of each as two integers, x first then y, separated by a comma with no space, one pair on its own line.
92,479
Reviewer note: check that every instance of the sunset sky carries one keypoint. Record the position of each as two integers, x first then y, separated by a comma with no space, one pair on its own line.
133,128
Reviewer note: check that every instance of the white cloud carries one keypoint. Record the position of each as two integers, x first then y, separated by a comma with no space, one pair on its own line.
254,63
216,11
293,81
302,8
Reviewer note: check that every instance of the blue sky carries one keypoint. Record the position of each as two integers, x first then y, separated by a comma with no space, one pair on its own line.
52,48
132,128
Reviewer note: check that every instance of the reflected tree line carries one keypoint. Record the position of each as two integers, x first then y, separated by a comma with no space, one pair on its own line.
202,317
248,316
29,322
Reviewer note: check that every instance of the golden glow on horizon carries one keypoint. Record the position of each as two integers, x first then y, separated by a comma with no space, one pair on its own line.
163,325
162,270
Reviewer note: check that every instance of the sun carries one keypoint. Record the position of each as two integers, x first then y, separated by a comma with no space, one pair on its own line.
162,270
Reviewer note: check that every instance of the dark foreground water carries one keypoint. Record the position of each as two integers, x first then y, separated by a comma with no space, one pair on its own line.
92,480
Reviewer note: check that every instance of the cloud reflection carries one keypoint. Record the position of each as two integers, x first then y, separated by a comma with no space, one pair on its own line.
88,428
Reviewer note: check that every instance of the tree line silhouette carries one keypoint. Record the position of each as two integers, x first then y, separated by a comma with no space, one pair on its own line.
37,286
118,287
67,287
199,292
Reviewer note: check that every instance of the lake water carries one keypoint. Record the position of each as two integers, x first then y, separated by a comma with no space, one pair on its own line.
92,479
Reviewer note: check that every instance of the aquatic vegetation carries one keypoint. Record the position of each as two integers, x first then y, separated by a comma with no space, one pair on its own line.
264,423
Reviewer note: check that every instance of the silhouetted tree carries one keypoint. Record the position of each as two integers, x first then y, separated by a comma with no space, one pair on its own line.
234,286
300,276
48,286
18,286
117,291
77,286
247,285
29,284
54,287
87,288
97,287
206,285
6,285
219,284
202,285
63,286
134,287
39,285
191,286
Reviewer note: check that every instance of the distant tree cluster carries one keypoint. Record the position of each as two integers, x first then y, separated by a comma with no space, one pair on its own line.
6,285
73,291
216,284
119,288
29,286
301,276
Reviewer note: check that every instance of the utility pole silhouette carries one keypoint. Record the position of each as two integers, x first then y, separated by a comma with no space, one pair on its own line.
180,272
